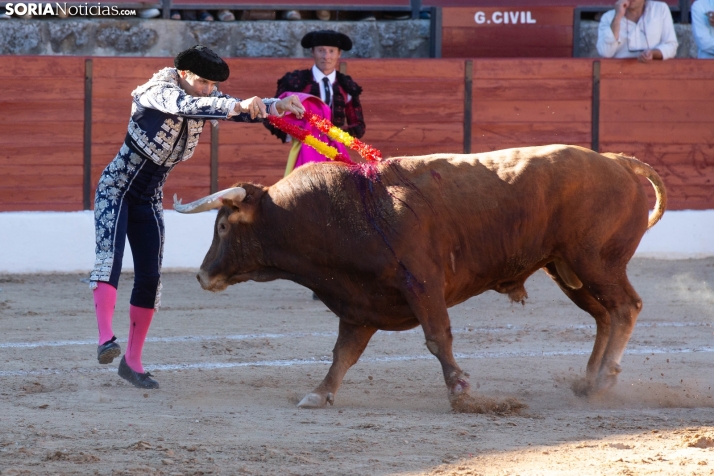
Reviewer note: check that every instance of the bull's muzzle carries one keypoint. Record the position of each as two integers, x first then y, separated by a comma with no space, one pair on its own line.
215,283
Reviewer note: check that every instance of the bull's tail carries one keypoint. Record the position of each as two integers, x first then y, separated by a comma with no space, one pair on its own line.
640,168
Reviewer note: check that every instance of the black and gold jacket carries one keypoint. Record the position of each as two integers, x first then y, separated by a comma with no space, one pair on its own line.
166,123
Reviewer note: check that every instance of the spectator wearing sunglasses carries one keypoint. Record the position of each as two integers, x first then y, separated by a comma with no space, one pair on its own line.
703,27
640,29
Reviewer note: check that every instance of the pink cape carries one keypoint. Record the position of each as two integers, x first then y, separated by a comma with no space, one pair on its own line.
315,105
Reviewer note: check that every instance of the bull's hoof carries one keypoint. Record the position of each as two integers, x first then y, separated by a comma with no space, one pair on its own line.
460,386
315,400
593,387
583,387
606,379
603,384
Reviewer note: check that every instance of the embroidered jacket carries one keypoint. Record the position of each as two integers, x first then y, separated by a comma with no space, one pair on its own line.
166,123
347,116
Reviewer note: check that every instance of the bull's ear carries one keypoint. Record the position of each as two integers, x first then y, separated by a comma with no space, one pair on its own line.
246,210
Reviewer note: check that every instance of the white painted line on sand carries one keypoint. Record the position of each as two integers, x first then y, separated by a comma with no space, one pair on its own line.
328,360
291,335
60,343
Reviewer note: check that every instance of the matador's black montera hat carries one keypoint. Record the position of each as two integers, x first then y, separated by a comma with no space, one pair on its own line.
203,62
327,38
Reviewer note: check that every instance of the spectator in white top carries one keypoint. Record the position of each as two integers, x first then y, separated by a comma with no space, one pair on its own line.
640,29
703,27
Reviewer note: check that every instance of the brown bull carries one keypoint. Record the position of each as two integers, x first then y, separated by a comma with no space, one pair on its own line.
392,246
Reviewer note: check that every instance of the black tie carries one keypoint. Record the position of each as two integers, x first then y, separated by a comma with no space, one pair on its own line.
328,87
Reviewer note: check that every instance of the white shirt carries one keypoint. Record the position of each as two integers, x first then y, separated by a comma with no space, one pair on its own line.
654,30
318,75
702,30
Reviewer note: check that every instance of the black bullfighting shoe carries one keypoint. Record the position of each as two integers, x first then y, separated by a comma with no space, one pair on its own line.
108,351
135,378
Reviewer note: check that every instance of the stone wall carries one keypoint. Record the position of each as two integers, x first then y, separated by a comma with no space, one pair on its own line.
275,39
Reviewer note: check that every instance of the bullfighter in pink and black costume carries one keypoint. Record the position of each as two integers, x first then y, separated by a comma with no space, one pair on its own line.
338,91
167,117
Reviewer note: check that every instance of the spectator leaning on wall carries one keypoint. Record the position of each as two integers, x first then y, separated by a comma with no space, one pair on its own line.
703,27
639,29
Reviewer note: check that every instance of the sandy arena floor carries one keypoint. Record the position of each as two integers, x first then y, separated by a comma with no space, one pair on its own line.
232,367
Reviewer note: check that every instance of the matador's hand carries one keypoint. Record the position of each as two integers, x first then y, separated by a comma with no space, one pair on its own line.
290,104
254,106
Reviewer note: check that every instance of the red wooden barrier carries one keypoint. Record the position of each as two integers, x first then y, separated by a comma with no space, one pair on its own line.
412,107
531,102
42,120
663,114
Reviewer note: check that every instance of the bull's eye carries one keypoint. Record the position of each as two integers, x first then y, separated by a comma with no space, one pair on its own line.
221,227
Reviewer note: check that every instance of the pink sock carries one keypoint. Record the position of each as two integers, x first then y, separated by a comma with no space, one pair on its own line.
140,318
105,298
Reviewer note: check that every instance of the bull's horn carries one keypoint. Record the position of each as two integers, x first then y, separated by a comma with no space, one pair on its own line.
210,202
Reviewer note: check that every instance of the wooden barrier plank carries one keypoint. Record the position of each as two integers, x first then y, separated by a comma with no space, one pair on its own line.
254,155
57,67
415,133
41,194
479,50
531,111
656,132
409,69
129,67
20,175
51,88
662,115
38,206
657,111
522,134
672,69
553,105
40,112
532,90
525,69
58,133
696,156
40,154
518,41
408,112
241,133
425,89
655,89
259,76
115,93
686,169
